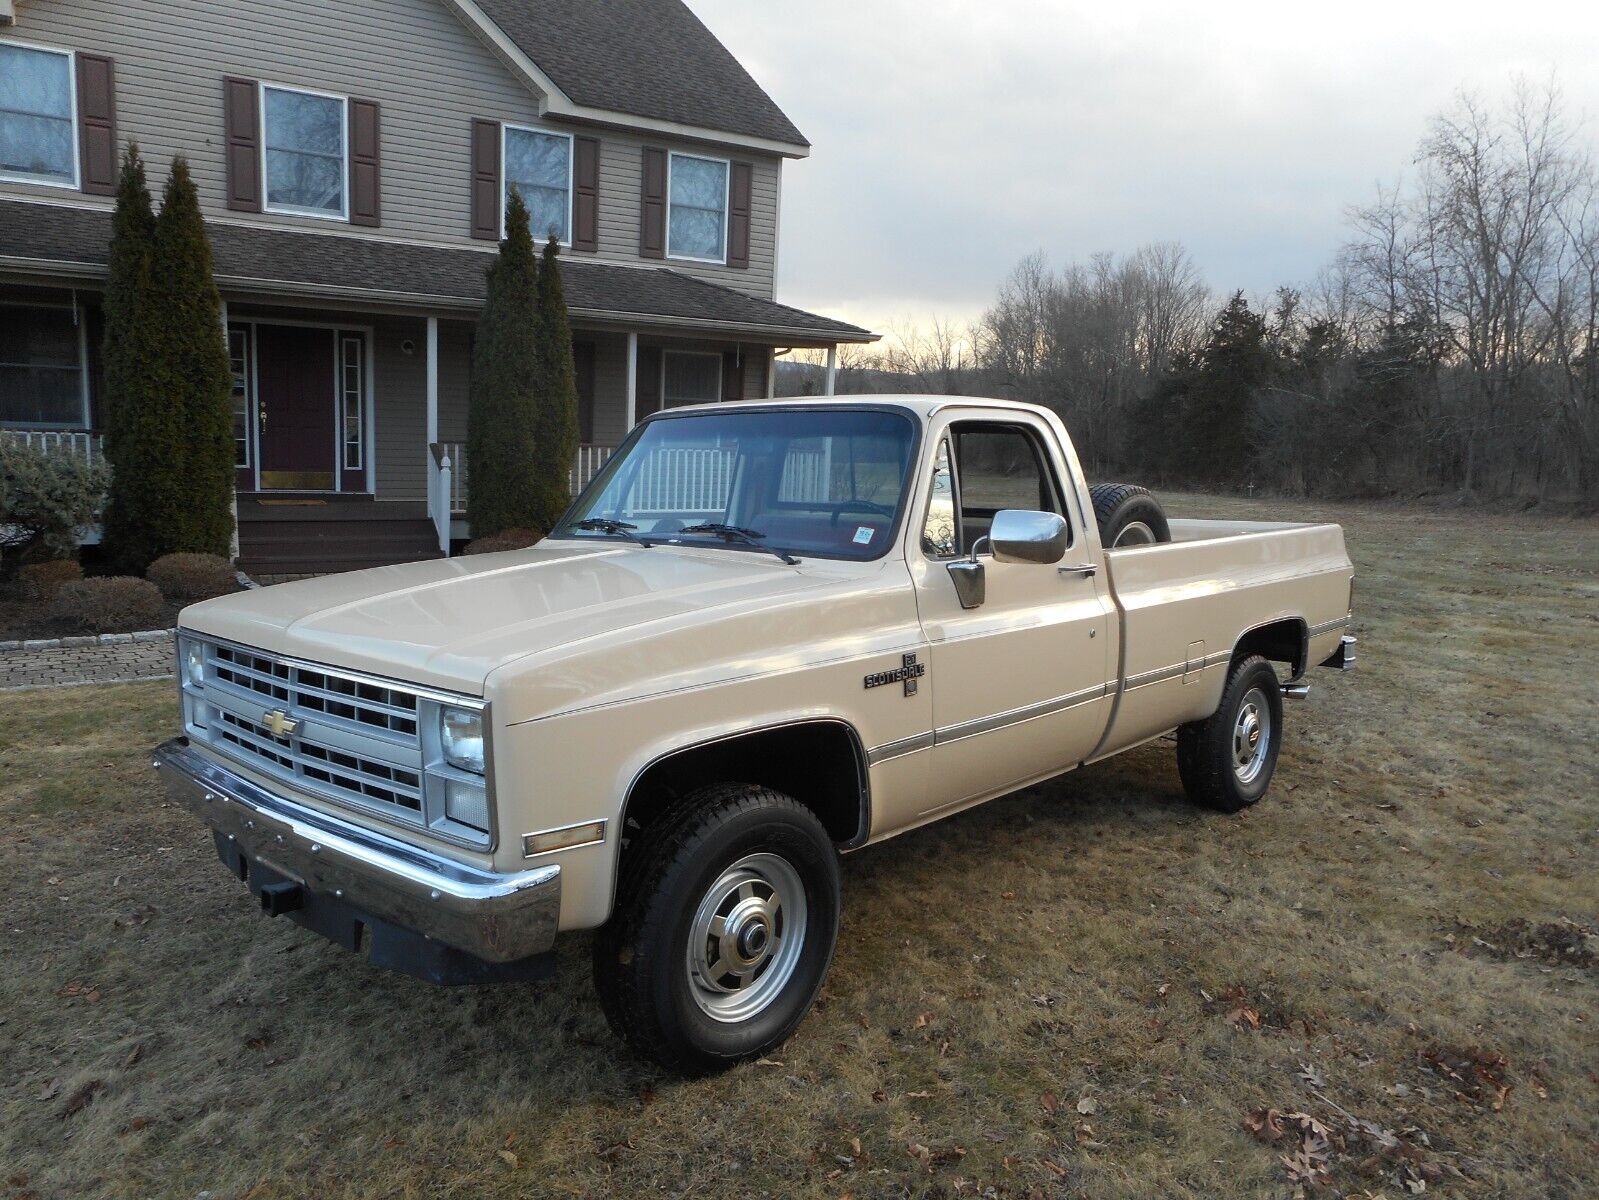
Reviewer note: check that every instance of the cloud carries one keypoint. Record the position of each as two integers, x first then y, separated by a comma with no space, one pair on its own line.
952,138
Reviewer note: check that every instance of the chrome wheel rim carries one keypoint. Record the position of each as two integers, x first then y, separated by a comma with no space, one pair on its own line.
1135,533
1251,736
746,937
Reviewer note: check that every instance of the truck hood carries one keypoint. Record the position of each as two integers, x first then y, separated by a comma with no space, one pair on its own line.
449,623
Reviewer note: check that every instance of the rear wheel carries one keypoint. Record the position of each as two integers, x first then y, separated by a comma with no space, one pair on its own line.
1226,761
1128,515
725,924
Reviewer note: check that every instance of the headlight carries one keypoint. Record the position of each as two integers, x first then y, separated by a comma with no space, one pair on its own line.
461,738
194,663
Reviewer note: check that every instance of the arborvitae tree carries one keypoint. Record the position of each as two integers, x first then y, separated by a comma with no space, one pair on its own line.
500,436
555,418
1236,361
143,430
196,367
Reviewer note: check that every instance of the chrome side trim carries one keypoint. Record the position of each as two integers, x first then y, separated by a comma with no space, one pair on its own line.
890,750
1159,675
1015,716
497,917
1327,626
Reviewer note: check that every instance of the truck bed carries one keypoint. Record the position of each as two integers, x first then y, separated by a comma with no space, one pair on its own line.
1184,604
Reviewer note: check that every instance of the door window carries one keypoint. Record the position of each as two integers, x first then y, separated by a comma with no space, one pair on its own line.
989,467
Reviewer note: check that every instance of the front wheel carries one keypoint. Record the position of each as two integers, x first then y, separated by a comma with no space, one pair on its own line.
725,924
1226,761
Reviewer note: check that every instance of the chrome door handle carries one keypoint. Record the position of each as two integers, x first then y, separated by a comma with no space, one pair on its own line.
1086,570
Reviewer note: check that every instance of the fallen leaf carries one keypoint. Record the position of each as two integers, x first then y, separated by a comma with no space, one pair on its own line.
1309,1074
508,1158
923,1020
1088,1106
1049,1102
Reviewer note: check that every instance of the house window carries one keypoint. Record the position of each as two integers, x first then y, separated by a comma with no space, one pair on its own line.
690,378
352,394
304,147
239,362
696,225
42,379
539,166
38,120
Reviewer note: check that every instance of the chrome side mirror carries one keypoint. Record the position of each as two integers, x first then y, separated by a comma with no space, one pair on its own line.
1020,535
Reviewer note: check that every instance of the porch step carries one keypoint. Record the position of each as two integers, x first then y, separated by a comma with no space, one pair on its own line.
285,544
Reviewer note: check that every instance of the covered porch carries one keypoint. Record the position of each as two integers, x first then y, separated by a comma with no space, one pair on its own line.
351,374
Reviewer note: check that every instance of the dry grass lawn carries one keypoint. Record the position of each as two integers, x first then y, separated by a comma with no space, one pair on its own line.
1082,990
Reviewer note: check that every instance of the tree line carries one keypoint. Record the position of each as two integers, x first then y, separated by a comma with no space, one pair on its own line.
1452,344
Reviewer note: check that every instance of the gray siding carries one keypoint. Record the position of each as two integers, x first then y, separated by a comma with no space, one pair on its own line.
399,389
430,74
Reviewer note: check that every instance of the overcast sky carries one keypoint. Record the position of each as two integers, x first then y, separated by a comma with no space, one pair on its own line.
950,137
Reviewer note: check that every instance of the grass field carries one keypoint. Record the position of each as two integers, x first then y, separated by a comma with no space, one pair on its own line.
1086,989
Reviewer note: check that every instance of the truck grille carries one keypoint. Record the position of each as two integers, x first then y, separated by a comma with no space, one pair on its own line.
354,739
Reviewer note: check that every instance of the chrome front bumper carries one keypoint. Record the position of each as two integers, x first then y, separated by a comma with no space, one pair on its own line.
493,917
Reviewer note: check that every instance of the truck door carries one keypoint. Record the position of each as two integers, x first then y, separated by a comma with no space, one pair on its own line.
1019,681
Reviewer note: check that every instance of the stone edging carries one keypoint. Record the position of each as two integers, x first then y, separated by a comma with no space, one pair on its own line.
88,639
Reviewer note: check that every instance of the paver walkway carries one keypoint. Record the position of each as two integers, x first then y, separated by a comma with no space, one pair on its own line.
72,665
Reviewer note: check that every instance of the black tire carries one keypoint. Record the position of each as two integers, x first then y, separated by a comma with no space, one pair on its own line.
642,967
1209,752
1125,510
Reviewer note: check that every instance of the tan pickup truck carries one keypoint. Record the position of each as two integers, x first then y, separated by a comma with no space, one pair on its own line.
767,633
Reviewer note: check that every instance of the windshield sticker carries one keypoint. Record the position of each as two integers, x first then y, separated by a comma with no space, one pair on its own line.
864,535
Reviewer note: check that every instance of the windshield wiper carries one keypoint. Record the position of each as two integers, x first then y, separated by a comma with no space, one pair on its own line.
732,533
614,528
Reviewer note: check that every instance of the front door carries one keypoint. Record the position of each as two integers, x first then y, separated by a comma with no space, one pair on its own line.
296,406
1018,682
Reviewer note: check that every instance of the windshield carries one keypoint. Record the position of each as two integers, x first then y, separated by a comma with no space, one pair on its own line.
826,482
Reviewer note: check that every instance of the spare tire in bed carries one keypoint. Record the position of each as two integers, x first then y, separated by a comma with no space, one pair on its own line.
1128,515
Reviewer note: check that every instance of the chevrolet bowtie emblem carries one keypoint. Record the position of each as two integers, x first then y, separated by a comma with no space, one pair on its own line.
280,723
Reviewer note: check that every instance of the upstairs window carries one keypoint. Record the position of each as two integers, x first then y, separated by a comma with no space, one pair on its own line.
539,166
696,226
304,149
42,380
38,127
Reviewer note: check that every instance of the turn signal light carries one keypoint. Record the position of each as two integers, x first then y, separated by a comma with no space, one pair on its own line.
563,839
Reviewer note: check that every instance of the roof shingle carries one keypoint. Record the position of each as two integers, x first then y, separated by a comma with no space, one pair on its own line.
646,58
75,241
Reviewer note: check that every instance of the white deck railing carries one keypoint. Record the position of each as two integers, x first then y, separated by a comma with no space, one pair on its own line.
78,443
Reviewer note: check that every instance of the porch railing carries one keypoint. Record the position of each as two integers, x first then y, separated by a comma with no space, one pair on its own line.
77,443
448,476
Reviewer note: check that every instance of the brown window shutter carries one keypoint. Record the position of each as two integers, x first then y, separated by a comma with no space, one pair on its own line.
97,124
585,193
366,176
648,397
242,118
652,205
738,215
486,180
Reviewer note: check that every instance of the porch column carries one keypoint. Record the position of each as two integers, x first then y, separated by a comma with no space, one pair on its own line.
832,372
439,499
433,380
632,380
233,496
771,372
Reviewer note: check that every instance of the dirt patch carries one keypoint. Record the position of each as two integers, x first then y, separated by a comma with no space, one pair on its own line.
1562,943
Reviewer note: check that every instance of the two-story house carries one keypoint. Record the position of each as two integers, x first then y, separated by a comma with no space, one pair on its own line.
353,159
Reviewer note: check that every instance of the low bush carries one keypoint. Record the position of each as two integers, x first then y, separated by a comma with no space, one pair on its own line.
187,576
506,539
111,604
45,499
41,581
